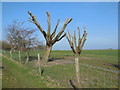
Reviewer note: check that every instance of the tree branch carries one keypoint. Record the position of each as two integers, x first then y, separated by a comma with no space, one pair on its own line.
84,29
78,33
69,35
62,30
53,34
84,38
71,44
83,43
33,18
75,39
61,37
48,21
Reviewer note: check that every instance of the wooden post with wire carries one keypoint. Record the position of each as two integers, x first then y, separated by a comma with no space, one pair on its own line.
19,57
39,64
11,54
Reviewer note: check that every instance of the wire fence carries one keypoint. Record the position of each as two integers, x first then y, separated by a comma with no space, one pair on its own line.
20,56
96,77
90,76
16,55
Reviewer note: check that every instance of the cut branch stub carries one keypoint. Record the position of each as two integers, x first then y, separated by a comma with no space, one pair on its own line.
48,14
73,43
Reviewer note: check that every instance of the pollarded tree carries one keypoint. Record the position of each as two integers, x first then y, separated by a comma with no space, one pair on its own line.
77,49
50,38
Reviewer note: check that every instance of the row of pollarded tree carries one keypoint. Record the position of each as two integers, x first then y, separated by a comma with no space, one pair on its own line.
51,38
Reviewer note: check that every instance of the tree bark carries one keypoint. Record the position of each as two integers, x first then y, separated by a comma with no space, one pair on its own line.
28,56
47,53
77,67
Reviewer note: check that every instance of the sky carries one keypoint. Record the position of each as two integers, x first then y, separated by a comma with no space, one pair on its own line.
60,0
99,18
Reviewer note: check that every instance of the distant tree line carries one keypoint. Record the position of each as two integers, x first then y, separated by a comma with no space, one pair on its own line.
4,45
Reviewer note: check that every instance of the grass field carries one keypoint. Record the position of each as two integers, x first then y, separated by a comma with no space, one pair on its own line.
58,73
16,75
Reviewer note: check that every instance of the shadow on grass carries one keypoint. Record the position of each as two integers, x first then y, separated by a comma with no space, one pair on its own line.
54,59
42,72
71,83
116,66
113,65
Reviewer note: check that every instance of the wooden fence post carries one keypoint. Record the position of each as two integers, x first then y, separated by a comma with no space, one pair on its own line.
11,54
39,63
27,59
4,52
77,71
19,57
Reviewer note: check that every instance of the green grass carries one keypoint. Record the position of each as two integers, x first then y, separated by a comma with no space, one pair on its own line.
61,73
98,58
58,75
92,56
16,75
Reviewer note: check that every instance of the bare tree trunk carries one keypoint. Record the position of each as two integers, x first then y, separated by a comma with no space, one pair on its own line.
77,70
27,59
47,53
